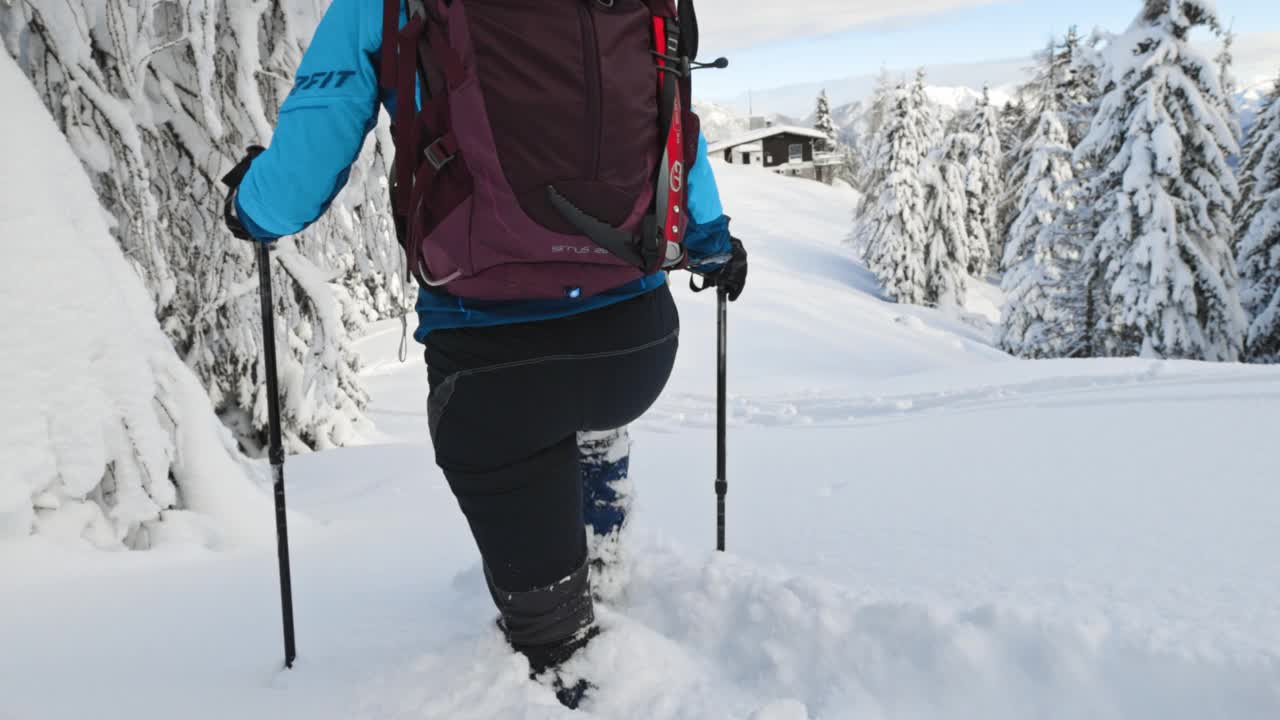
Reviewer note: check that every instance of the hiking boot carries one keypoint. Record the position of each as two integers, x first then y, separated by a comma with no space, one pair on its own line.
547,659
571,695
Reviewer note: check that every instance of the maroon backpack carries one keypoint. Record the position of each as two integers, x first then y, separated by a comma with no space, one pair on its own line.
546,155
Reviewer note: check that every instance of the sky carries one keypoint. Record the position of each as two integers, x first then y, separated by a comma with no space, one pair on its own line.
770,44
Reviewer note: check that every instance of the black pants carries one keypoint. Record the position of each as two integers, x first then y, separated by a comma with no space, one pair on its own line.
505,408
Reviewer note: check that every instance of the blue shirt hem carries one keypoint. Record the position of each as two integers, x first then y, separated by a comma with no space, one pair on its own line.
446,312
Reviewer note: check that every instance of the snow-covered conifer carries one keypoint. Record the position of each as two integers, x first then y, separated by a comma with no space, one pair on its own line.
867,143
1077,89
1064,81
947,222
893,227
1226,60
1160,258
1013,121
1019,122
931,120
881,103
108,438
1259,247
984,186
868,172
158,100
1251,155
1037,320
824,124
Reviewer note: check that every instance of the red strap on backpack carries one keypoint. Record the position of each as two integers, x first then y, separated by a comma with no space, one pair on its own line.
670,198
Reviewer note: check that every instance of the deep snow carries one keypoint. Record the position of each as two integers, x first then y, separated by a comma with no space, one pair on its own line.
103,429
919,526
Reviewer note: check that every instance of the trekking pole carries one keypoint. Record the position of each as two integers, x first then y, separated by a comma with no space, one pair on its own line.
722,482
276,451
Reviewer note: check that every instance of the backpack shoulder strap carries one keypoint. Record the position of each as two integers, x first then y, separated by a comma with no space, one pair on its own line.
390,29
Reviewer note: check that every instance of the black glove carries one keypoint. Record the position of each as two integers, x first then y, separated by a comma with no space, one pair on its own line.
232,180
730,277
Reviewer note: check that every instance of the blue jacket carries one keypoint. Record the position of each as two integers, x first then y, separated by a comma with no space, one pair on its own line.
322,126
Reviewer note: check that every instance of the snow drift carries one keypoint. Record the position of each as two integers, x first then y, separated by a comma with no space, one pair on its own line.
106,432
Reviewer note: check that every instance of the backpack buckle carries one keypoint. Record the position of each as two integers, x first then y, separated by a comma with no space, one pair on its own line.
437,153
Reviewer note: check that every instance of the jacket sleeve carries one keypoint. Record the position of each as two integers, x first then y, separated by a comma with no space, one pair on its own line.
707,238
322,126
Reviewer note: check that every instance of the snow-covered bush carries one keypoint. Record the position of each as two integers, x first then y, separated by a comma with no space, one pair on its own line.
158,100
1164,192
104,431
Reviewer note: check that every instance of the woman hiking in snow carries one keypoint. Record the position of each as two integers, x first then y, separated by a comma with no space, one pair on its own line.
547,177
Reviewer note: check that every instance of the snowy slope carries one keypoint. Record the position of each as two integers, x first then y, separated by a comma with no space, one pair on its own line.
920,527
104,432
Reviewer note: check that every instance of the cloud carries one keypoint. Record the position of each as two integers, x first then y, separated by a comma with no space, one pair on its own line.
730,24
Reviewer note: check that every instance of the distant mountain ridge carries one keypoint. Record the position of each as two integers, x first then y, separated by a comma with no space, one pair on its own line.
1257,58
799,99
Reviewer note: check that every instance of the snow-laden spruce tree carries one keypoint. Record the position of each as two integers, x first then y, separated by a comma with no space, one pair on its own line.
1038,319
158,100
984,186
824,124
1226,61
947,240
1259,246
1065,80
1251,155
1164,192
931,116
107,437
868,177
894,226
1013,122
1077,82
1019,120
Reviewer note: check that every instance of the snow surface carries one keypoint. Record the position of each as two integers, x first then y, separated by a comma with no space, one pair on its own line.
104,431
919,527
